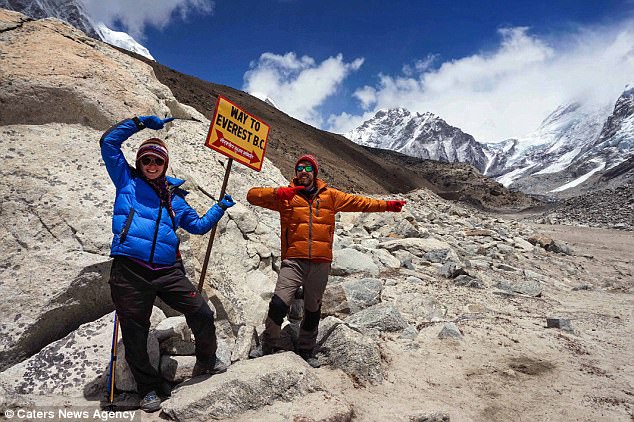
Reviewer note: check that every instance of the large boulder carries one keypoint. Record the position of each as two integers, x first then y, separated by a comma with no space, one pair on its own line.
76,365
362,293
246,386
354,353
324,407
382,317
349,261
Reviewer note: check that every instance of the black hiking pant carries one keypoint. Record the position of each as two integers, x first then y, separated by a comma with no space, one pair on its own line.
133,288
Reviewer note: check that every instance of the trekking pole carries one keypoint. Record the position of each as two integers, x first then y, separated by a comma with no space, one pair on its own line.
113,359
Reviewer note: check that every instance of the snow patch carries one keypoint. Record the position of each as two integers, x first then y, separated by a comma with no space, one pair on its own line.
122,39
579,180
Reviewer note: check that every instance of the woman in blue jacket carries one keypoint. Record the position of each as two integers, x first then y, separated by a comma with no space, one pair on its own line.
148,208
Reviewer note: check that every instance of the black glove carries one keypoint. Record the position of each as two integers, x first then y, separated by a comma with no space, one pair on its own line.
153,122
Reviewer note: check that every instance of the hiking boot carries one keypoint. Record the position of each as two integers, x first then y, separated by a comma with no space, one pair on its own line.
211,366
150,403
263,349
309,358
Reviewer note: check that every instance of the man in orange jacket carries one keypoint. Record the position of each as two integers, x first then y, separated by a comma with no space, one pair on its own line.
307,210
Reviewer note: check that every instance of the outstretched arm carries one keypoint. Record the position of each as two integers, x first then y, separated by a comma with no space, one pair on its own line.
194,224
345,202
113,138
264,197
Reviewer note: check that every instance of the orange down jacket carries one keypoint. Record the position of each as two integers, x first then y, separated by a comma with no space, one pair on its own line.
308,226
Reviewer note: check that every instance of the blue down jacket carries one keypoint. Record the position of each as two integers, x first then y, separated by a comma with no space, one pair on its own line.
141,225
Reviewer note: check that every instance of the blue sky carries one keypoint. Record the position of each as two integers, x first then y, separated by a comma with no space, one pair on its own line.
493,68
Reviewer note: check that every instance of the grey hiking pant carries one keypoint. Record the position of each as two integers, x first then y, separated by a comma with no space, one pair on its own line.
294,273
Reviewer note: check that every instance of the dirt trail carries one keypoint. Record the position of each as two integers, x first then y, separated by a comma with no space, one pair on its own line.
509,366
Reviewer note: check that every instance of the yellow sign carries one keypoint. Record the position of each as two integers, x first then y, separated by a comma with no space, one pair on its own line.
238,134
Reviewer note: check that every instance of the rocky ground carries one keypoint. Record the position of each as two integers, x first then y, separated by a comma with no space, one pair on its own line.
609,208
438,312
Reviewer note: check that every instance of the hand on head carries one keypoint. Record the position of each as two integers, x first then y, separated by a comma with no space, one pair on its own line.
288,192
154,122
395,205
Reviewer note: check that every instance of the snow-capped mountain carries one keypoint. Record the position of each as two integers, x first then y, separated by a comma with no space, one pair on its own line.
560,138
576,146
74,13
262,96
419,135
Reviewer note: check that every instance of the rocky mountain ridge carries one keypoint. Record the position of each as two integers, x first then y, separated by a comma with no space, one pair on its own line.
74,13
573,147
419,135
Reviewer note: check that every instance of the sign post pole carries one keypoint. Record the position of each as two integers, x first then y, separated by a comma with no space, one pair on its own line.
212,235
240,136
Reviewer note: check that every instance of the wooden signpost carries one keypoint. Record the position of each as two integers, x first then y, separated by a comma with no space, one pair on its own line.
240,136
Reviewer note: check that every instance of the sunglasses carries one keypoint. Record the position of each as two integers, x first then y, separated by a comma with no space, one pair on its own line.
307,168
146,161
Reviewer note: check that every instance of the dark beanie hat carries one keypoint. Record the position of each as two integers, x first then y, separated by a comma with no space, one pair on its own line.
311,159
155,147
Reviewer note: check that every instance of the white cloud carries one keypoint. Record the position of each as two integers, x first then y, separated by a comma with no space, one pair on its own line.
299,86
136,16
507,92
420,65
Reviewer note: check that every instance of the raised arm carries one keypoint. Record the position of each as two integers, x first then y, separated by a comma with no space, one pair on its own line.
113,138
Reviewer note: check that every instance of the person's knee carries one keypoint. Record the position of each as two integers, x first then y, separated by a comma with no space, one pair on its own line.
311,320
277,309
204,312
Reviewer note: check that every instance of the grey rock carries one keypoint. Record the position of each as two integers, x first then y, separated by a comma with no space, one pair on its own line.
382,317
468,281
524,287
177,346
349,261
324,407
334,301
74,365
415,246
451,331
520,243
177,369
505,267
245,341
326,327
440,255
430,417
532,275
409,333
559,247
385,259
173,327
354,353
362,293
452,269
414,302
247,386
561,323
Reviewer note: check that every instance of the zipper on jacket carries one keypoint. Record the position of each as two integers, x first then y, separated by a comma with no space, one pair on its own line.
310,230
156,229
126,227
317,207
